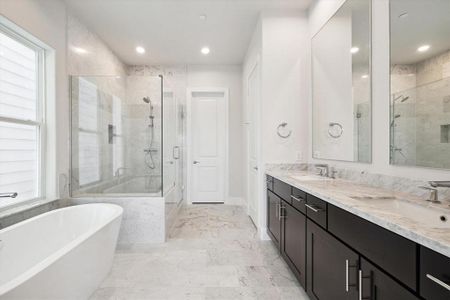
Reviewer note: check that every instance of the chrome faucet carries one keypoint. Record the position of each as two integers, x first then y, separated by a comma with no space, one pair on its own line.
323,169
8,195
433,197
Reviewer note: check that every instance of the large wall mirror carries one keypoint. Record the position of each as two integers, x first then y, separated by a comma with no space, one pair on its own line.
341,83
420,83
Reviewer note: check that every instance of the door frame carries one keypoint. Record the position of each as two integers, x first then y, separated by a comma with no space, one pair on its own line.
254,66
189,151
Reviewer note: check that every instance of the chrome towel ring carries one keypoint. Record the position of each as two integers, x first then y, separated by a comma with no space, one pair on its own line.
335,130
280,134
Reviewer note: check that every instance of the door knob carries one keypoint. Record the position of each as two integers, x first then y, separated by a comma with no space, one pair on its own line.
195,162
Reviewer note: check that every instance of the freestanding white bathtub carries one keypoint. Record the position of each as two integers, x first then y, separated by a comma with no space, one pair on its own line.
61,254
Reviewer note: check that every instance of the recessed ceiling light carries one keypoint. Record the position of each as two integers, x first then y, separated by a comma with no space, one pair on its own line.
423,48
403,15
205,50
140,50
79,50
365,76
203,17
354,50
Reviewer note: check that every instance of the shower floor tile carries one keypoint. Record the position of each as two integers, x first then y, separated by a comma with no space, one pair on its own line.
213,253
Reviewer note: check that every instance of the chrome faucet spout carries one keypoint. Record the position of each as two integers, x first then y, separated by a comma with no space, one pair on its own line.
436,184
9,195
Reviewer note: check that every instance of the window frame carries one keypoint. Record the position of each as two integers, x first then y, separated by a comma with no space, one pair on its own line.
40,122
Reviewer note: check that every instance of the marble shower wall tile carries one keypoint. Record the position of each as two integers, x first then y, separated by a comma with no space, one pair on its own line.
143,218
88,54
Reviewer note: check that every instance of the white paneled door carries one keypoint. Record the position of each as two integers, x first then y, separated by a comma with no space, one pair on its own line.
208,145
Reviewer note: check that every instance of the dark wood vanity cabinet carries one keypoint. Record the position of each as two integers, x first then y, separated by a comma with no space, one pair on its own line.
293,241
434,275
332,266
337,255
376,285
273,217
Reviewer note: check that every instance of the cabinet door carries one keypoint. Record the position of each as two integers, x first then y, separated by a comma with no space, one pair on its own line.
332,268
375,285
273,219
294,241
435,275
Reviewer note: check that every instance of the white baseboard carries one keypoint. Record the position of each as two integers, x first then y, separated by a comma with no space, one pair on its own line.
263,235
235,201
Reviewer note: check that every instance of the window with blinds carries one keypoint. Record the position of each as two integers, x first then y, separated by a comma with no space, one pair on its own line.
21,120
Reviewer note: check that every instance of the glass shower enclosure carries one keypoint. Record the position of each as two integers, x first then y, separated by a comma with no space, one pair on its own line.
118,136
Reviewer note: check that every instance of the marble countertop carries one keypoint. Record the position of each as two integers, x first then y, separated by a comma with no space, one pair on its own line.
353,197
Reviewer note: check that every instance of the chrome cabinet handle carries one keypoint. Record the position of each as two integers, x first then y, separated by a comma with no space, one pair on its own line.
280,216
439,282
277,210
360,284
347,281
346,275
314,208
9,195
360,292
297,199
195,162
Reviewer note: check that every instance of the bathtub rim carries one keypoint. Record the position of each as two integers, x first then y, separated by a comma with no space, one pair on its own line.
58,254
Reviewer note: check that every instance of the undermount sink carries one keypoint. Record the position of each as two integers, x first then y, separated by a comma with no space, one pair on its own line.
311,177
428,216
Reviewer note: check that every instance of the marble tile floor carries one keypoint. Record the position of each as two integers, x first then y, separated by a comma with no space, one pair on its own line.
212,253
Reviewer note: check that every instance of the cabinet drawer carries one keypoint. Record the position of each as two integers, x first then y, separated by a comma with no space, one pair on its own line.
316,210
434,275
269,182
298,199
283,190
393,253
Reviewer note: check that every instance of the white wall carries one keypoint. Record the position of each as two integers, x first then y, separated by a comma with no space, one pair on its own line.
226,76
284,94
319,14
278,43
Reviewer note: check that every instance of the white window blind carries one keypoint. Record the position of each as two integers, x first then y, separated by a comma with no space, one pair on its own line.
89,133
20,118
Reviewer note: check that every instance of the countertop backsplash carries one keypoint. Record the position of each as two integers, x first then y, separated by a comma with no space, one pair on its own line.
398,184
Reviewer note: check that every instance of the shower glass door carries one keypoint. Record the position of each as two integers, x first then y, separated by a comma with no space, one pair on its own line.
116,135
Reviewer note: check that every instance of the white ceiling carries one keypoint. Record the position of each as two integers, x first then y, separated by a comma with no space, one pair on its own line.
427,23
171,30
